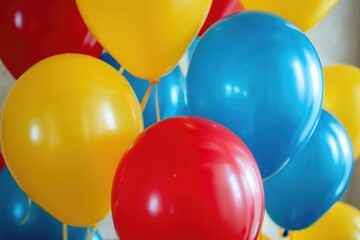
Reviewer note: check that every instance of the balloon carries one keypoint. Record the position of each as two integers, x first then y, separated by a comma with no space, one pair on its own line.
18,220
265,85
2,162
187,178
192,48
220,9
147,37
315,178
304,13
34,30
171,93
341,222
263,237
342,98
106,57
78,115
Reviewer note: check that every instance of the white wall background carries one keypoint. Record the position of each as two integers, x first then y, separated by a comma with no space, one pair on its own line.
337,40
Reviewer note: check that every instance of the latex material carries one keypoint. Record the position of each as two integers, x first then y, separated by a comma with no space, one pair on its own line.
314,179
147,37
341,222
192,48
78,115
106,57
2,162
14,224
220,9
263,237
265,85
171,93
187,178
304,13
342,98
34,30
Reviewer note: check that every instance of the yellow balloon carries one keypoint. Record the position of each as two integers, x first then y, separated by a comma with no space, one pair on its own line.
342,98
148,37
65,125
304,13
263,237
341,222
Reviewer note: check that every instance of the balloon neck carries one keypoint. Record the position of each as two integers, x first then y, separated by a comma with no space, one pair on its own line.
286,233
147,93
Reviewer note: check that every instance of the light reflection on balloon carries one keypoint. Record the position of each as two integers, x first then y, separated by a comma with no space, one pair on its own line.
265,85
314,179
187,178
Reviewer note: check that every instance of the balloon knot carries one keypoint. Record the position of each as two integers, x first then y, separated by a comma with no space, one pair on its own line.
286,233
154,81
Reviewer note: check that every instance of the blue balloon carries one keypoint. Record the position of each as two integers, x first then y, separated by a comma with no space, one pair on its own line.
192,47
16,222
171,92
106,57
314,179
260,76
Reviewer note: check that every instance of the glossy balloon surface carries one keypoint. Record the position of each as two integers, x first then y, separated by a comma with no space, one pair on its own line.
18,220
171,93
220,9
34,30
315,178
304,13
342,98
260,76
341,222
78,115
187,178
147,37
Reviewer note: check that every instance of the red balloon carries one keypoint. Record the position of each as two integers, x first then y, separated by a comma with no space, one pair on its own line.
187,178
2,161
31,30
220,9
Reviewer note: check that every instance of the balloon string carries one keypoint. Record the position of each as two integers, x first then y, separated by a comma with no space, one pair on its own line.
90,232
280,234
28,213
146,97
148,93
121,70
157,104
65,234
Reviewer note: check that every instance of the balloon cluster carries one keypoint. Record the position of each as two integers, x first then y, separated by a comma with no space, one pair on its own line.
19,220
244,122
